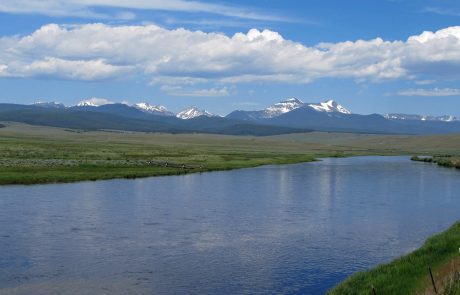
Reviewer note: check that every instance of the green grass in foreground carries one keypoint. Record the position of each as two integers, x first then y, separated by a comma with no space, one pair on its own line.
408,274
452,286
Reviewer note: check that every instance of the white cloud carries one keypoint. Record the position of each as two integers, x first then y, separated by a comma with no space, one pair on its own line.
86,70
184,57
430,92
85,8
181,91
3,70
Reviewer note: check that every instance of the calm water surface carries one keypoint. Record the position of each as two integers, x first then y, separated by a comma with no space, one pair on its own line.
293,229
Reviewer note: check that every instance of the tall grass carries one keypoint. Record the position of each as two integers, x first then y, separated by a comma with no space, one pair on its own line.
452,286
408,274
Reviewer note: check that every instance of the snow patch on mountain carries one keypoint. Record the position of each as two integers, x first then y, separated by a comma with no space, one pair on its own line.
94,102
153,109
329,106
289,105
193,112
445,118
282,107
50,105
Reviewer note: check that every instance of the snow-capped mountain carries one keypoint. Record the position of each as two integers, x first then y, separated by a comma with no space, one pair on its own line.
282,107
94,102
86,104
289,116
50,105
329,106
153,109
193,112
287,106
445,118
291,104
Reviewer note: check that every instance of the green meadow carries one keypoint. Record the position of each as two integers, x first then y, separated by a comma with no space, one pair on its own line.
36,154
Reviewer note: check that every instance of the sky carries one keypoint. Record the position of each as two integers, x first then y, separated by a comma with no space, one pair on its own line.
372,56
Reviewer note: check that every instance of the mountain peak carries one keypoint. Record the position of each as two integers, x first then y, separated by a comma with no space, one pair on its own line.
152,109
329,106
282,107
94,102
193,112
293,100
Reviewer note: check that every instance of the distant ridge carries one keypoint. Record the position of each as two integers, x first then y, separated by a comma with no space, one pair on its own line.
445,118
51,105
123,117
287,116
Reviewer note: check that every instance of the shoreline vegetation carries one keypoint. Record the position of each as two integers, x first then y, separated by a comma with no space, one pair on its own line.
410,274
37,154
448,161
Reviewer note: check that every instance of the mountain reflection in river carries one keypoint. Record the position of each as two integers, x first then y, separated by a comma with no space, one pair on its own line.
290,229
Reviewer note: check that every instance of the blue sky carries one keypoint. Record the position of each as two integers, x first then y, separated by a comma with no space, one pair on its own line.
132,51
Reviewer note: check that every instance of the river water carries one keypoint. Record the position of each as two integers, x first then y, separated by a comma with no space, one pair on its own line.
290,229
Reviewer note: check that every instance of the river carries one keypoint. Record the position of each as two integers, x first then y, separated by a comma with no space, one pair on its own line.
291,229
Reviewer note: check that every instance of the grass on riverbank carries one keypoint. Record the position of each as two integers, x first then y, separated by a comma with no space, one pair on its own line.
408,274
37,154
106,170
452,286
442,160
34,154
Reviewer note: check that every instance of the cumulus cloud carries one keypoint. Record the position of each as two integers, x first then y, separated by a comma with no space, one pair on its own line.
180,56
3,70
430,92
87,70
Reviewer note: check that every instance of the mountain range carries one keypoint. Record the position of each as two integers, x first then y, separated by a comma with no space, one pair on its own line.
287,116
445,118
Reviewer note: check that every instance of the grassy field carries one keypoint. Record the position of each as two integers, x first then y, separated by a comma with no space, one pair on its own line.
35,154
409,274
31,154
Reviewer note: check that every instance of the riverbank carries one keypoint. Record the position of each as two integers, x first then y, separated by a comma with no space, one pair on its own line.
441,160
38,154
103,170
34,154
409,274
